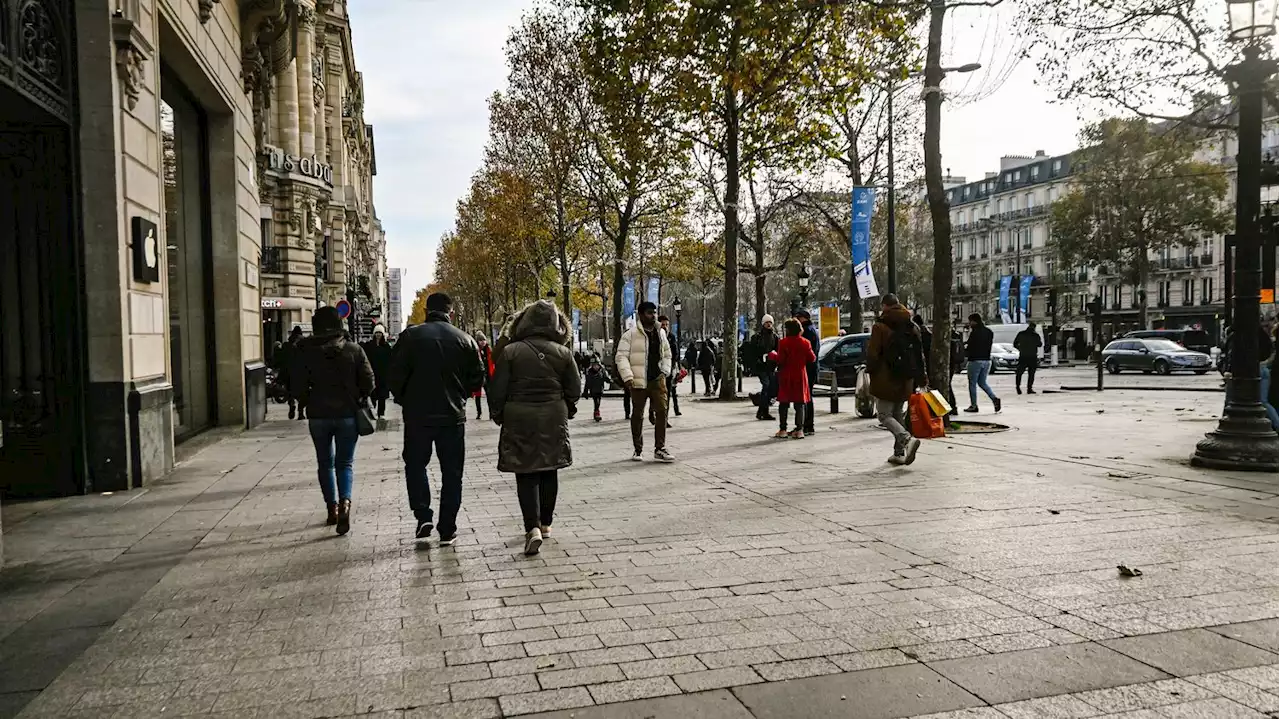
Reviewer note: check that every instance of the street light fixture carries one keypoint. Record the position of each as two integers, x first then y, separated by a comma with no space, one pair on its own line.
1244,439
803,277
677,307
891,244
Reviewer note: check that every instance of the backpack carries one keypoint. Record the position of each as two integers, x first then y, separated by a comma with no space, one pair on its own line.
902,355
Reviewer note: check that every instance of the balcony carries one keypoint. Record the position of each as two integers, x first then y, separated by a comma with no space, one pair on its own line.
1187,302
1082,277
983,255
1104,270
973,256
998,250
272,262
1193,261
1026,246
1206,258
1162,302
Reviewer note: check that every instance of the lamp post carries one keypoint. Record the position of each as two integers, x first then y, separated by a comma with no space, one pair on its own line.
1244,439
677,307
803,278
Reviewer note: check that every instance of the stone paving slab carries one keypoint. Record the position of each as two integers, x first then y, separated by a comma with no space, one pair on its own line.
1192,651
746,566
870,694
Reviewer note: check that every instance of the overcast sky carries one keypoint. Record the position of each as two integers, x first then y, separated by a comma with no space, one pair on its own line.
430,65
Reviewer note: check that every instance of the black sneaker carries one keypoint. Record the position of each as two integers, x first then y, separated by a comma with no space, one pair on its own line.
447,540
424,530
996,402
1030,391
973,408
1019,389
292,412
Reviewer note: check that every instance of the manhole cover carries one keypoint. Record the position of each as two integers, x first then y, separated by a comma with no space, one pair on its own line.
963,427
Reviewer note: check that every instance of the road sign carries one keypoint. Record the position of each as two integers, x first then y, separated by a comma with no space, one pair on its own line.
344,308
1268,297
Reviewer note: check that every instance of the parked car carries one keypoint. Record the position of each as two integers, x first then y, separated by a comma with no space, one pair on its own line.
1003,356
1153,355
845,356
1195,340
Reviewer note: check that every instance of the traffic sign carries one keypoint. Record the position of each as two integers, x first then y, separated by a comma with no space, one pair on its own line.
344,309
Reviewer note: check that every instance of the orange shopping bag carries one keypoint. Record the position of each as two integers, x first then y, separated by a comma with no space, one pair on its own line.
923,424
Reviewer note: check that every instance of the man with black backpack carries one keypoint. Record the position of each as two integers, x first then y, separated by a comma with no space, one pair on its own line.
895,360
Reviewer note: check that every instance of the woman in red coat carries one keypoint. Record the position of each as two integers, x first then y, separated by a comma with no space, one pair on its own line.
486,358
793,355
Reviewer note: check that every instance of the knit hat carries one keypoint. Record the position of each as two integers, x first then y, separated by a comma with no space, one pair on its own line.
766,320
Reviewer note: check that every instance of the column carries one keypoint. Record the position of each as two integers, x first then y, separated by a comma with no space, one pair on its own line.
306,96
287,108
319,94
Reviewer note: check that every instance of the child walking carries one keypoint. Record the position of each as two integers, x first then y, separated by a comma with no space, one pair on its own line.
793,356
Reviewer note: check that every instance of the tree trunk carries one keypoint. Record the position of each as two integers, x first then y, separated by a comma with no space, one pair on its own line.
566,301
761,300
940,361
619,246
729,332
1144,270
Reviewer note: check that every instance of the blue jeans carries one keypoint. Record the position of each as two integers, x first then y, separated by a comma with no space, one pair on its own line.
978,370
449,443
1264,382
326,435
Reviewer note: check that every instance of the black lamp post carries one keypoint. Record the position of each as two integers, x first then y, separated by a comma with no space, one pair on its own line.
803,278
1244,439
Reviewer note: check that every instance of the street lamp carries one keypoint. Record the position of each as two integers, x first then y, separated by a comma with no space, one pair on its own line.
891,244
677,307
1244,439
803,277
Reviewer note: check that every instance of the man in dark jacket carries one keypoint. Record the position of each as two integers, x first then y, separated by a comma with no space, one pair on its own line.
895,360
1028,344
707,365
435,367
978,353
811,334
284,360
766,341
379,354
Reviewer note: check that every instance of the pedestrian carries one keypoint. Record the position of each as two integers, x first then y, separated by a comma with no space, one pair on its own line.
596,377
895,359
1028,344
285,359
809,332
707,366
766,342
1269,382
926,341
665,322
434,369
977,351
379,354
486,361
533,395
333,378
792,356
644,363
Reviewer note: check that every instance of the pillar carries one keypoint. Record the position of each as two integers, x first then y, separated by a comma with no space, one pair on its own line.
305,79
287,108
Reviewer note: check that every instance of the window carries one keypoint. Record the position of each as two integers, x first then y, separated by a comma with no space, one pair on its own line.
1057,166
1035,171
1206,290
1103,291
1188,292
1053,194
1029,201
1017,175
1066,305
999,207
971,216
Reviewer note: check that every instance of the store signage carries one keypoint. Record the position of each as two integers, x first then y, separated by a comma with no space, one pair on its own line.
272,303
279,161
146,251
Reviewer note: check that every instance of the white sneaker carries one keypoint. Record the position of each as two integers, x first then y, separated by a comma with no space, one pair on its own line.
913,446
637,457
532,542
662,455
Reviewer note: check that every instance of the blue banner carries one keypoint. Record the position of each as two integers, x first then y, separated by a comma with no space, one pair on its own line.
651,292
1024,298
1005,283
864,203
628,299
577,326
742,327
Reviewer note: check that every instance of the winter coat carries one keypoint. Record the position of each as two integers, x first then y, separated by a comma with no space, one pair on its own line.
793,357
486,360
811,334
596,378
706,358
380,359
1028,344
884,385
978,348
434,369
534,393
632,356
331,376
766,342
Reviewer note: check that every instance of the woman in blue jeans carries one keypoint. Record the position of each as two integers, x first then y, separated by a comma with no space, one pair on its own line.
333,378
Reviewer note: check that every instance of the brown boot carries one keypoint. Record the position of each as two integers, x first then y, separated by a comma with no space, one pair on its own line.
344,516
332,519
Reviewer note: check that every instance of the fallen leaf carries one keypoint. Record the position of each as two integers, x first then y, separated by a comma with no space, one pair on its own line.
1115,457
1099,411
1054,511
1129,571
1078,456
1121,475
1039,474
546,665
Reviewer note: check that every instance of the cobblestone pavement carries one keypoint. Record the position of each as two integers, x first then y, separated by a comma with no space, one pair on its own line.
752,578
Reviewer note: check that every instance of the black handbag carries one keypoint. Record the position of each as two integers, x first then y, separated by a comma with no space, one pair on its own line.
365,422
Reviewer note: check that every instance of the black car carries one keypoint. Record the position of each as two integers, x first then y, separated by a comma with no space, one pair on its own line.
845,356
1153,355
1194,340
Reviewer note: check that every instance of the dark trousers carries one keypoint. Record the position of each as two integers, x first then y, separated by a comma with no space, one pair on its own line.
449,443
478,406
706,380
382,407
671,391
595,401
808,407
537,495
626,403
1028,366
784,407
768,390
302,407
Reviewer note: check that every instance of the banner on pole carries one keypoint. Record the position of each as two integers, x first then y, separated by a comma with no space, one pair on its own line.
577,326
1005,283
860,239
829,322
651,292
1024,298
742,327
628,302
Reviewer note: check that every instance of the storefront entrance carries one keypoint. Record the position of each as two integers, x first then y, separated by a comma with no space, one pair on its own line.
186,209
41,452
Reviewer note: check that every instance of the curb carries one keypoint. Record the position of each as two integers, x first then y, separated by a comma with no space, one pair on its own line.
1139,388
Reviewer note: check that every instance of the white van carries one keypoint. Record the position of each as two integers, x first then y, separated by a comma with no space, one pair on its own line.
1006,333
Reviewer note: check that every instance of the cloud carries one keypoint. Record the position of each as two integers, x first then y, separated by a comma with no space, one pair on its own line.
429,67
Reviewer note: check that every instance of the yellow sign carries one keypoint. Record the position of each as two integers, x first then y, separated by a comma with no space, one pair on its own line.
828,321
1268,297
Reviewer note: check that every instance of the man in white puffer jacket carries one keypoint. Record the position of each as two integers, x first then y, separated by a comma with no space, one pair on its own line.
643,359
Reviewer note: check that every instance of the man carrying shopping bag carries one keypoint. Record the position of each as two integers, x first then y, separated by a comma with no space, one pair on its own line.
896,363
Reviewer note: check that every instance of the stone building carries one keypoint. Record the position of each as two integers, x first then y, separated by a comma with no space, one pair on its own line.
320,236
146,149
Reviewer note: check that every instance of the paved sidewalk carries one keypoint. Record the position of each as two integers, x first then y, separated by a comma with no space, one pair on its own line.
753,578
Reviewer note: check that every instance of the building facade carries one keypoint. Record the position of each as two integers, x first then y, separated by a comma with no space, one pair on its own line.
1001,228
321,239
143,145
395,310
